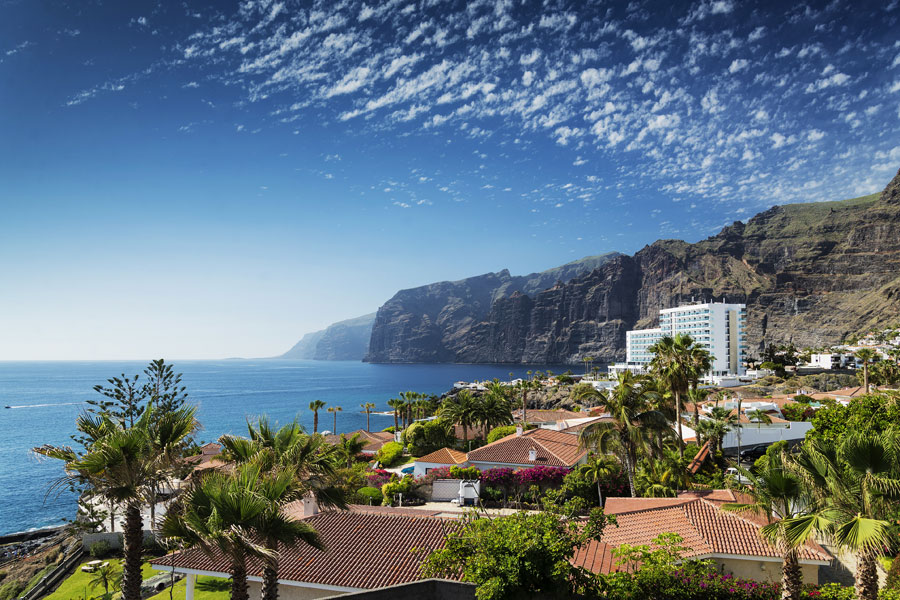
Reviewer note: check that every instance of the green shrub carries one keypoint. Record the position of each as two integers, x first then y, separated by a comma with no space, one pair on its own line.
498,433
470,473
803,399
835,591
99,549
390,454
371,495
390,429
11,590
796,412
396,486
426,437
893,578
152,546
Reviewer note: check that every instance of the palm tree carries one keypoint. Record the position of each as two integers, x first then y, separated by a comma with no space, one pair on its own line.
397,405
219,515
778,495
349,448
855,489
122,464
106,576
866,355
633,422
334,410
314,406
697,396
587,362
368,407
461,411
700,364
759,416
493,409
276,530
527,385
721,421
596,470
672,365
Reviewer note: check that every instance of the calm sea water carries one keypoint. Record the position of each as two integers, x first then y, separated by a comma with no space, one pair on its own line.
46,397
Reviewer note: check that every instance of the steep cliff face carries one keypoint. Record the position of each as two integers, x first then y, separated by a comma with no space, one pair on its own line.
809,273
433,323
344,340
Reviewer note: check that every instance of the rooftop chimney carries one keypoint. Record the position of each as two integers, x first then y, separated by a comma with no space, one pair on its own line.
518,430
310,505
532,455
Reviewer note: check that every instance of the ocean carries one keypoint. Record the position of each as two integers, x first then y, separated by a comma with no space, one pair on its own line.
46,397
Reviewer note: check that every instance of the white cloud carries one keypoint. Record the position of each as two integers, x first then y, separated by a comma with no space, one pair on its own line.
838,79
815,135
738,64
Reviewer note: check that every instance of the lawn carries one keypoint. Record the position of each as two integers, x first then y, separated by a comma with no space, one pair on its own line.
78,584
206,588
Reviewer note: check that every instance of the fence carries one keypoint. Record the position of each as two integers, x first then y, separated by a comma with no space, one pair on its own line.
52,579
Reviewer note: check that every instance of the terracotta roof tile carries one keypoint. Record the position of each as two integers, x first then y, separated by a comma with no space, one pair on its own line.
374,440
554,448
363,550
444,456
706,530
548,416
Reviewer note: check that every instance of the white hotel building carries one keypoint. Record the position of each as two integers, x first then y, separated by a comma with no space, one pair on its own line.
716,327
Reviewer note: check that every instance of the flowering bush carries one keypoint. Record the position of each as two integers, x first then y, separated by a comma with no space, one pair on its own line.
458,472
503,477
377,478
541,475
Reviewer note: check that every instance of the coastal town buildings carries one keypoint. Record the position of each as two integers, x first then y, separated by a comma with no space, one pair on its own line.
717,327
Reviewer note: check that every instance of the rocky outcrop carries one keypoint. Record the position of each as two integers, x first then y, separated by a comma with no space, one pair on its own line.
809,273
344,340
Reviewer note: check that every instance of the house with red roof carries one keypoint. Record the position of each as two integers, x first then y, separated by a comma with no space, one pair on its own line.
731,540
445,457
525,449
373,440
365,548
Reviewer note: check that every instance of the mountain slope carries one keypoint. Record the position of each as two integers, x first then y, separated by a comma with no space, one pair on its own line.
809,273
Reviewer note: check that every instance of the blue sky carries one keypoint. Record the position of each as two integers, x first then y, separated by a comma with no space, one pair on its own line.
192,179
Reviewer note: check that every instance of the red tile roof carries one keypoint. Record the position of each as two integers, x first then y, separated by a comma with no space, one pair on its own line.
444,456
547,416
698,459
706,529
364,550
374,440
554,448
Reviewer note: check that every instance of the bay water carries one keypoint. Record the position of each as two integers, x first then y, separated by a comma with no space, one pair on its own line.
46,397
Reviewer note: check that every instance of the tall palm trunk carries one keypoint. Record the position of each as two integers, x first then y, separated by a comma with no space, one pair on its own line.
524,409
367,420
270,576
866,576
396,422
599,493
133,540
315,421
629,472
791,577
239,589
678,421
866,376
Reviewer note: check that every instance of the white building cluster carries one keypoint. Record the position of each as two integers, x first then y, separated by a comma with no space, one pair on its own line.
719,328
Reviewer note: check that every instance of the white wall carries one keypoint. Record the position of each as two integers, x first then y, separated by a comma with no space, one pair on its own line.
751,435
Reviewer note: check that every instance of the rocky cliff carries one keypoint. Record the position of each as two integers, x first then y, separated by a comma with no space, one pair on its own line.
809,273
434,323
344,340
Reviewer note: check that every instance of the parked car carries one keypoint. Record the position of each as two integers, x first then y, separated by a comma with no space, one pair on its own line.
733,472
751,454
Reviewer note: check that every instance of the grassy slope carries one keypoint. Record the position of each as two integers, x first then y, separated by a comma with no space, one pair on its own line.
79,583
